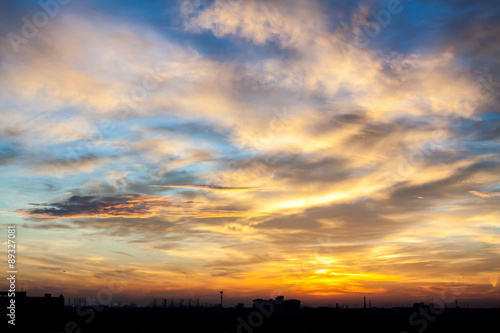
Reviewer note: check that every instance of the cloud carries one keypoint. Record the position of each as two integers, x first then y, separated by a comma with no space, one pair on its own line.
210,187
247,19
72,164
124,205
123,253
47,226
352,222
129,206
7,155
485,194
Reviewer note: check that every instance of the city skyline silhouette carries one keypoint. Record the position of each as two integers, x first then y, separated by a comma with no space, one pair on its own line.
249,165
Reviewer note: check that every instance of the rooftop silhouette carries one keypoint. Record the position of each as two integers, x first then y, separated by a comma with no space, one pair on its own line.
49,314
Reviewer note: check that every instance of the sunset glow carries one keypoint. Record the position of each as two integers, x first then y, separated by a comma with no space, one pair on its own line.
255,147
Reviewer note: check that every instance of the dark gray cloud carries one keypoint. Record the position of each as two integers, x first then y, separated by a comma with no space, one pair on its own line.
132,205
7,155
8,149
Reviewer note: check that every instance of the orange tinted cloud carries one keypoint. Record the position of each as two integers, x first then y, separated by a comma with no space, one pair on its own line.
211,187
485,194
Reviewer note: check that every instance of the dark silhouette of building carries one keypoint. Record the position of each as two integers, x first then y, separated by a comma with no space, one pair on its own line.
279,305
416,306
43,315
25,303
41,312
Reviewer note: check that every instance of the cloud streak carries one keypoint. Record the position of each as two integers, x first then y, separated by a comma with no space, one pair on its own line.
125,205
485,194
210,187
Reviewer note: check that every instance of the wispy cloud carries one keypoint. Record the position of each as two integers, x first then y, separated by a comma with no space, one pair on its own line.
211,187
485,194
125,205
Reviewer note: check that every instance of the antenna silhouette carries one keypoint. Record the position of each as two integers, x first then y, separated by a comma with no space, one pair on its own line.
221,298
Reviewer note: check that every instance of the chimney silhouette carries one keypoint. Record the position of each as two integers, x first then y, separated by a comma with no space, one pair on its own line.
221,298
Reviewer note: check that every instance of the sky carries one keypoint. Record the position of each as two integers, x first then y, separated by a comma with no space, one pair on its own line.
321,150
